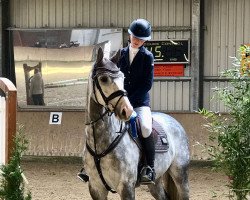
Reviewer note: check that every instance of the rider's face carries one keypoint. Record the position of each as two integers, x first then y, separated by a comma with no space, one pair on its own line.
136,42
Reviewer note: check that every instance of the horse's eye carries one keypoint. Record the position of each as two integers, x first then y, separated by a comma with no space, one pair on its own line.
104,79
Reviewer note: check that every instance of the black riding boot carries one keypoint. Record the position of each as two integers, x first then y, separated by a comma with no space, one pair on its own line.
148,172
83,176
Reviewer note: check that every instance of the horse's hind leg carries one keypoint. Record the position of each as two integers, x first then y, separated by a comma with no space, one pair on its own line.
180,178
158,191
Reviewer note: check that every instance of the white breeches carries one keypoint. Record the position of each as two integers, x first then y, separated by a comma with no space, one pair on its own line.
145,117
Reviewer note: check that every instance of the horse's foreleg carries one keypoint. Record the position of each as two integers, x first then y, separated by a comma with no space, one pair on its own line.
98,193
127,193
157,190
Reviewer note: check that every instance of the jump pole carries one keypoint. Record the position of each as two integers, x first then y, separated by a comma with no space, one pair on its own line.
8,90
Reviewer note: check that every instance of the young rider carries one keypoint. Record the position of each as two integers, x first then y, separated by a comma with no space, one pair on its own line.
137,64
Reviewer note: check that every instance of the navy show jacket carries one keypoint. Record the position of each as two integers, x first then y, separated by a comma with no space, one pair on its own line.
138,76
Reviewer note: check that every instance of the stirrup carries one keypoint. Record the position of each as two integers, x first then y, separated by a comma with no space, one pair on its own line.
147,176
83,176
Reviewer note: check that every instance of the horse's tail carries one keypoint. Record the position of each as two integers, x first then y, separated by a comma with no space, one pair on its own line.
169,186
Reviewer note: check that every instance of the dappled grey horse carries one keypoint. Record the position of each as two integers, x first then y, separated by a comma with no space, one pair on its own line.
112,157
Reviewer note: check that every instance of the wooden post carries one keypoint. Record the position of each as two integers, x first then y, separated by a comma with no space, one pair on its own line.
195,55
10,92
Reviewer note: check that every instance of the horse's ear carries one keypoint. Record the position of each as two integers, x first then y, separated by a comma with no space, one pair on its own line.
116,57
99,55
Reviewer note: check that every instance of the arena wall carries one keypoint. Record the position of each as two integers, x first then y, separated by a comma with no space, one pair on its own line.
68,138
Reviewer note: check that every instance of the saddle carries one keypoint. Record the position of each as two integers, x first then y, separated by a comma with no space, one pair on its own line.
160,137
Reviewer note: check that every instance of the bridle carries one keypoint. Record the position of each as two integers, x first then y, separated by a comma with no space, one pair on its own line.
119,93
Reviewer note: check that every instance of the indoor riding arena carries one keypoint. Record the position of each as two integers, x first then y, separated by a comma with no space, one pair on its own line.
193,41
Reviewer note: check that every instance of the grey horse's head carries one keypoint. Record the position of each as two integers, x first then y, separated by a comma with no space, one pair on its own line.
108,86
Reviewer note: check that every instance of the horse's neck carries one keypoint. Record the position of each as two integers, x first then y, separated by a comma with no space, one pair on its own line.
94,110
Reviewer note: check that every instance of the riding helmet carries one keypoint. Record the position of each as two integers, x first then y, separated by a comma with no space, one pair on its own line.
141,29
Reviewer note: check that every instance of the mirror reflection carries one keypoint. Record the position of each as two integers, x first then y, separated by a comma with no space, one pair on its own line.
52,66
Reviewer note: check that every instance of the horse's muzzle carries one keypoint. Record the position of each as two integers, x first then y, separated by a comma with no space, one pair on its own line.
124,110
